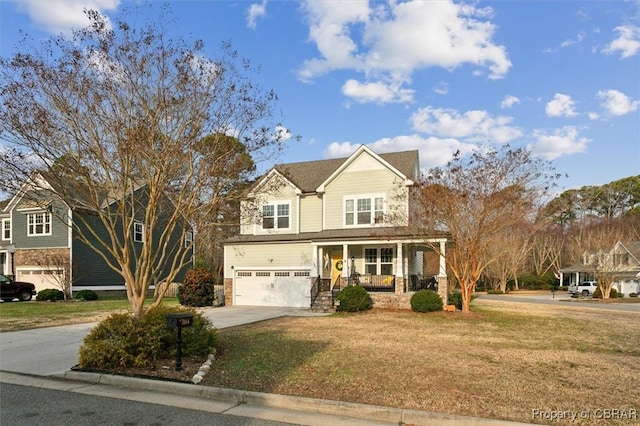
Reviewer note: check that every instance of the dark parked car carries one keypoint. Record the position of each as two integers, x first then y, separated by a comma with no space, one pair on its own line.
11,289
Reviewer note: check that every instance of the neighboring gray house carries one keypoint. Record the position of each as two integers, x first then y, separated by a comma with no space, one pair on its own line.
621,263
40,245
308,227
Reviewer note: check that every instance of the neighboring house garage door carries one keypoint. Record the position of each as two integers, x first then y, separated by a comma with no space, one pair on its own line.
41,278
272,288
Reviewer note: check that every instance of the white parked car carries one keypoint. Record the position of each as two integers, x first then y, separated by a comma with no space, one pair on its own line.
586,288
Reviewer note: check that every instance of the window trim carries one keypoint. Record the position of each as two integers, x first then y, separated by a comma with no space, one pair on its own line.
46,224
137,232
188,238
350,211
378,263
5,221
276,215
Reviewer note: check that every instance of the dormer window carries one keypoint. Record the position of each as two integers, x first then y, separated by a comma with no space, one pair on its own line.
363,210
276,216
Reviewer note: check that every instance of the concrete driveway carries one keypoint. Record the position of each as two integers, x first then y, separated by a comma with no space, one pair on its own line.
54,350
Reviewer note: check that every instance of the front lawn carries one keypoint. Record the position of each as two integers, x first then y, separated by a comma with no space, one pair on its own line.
503,361
25,315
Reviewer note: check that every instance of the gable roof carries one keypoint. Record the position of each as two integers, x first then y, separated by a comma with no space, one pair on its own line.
309,175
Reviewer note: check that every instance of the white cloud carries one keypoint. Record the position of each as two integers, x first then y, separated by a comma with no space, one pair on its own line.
377,92
593,116
509,101
617,103
561,106
441,88
433,151
255,11
61,16
393,40
628,41
474,126
564,141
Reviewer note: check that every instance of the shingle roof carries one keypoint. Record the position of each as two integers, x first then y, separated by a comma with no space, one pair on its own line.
309,175
389,233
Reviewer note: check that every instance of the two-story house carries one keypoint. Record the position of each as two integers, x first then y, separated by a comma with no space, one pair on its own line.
619,264
41,243
317,226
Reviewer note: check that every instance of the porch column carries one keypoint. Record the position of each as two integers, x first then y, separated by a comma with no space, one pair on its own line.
443,263
345,262
320,254
315,268
399,281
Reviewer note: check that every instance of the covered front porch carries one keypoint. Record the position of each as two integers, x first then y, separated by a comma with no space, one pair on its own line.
389,270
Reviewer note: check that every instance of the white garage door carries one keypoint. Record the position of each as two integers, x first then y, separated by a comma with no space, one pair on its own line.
41,278
273,288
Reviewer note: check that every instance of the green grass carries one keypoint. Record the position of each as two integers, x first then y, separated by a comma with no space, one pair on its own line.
25,315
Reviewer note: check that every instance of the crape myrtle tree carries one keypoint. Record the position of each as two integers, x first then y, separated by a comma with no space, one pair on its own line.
129,124
477,199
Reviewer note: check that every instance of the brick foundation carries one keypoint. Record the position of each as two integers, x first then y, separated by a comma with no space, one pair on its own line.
228,291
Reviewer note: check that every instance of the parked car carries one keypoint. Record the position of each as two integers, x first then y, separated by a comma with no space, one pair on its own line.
10,289
586,288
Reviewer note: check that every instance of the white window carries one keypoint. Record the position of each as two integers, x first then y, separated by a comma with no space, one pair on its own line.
188,239
378,261
39,224
275,216
138,231
364,210
6,229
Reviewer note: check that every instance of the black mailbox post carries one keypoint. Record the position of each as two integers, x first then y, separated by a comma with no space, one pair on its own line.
179,320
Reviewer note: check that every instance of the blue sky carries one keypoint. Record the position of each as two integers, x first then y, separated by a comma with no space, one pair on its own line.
561,77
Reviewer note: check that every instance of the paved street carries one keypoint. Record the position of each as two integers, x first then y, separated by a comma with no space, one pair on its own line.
31,406
561,299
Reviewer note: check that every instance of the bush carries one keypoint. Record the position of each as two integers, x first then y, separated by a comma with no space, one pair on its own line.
455,298
85,295
633,294
426,301
197,289
535,282
563,288
123,340
49,295
494,291
354,298
597,294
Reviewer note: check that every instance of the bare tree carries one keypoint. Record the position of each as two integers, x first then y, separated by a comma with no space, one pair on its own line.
509,251
476,199
116,117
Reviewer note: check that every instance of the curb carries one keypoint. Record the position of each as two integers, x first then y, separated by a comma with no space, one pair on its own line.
309,405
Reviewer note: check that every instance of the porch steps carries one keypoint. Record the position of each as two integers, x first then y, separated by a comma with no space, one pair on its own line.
323,303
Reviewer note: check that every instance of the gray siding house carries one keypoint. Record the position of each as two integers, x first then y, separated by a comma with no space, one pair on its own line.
40,242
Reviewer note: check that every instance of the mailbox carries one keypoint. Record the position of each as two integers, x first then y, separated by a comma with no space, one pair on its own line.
179,320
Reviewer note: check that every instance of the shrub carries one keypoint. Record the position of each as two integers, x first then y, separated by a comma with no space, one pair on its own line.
633,294
426,301
494,291
197,289
563,288
85,295
354,298
123,340
597,294
455,298
50,295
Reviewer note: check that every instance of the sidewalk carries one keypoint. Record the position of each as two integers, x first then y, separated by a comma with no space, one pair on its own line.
280,408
